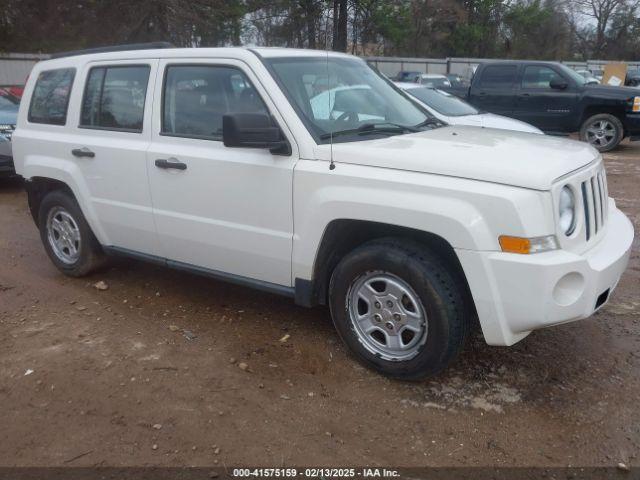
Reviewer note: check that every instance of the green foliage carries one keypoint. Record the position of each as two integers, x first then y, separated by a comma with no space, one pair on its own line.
534,29
392,20
545,29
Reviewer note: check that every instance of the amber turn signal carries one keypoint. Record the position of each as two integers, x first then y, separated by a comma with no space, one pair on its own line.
526,246
515,244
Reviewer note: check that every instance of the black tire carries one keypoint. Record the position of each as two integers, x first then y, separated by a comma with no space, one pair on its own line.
90,255
608,119
440,292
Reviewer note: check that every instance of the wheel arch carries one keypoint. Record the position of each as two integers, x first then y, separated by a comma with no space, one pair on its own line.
342,236
591,110
38,186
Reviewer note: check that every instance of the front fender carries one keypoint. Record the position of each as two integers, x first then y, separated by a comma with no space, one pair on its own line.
468,214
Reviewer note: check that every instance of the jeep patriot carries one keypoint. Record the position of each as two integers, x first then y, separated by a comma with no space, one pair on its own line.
235,163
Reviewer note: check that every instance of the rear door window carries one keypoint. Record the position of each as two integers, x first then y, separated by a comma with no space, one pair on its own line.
50,98
114,98
499,76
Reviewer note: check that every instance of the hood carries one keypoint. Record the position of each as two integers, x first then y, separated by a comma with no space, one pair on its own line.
499,156
609,91
490,120
471,120
8,118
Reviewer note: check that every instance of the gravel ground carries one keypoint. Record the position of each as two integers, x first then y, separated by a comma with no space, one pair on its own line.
166,368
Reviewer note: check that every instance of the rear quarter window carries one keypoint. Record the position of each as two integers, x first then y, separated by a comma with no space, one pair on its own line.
50,98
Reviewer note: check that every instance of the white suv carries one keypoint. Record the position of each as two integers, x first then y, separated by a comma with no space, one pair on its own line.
224,162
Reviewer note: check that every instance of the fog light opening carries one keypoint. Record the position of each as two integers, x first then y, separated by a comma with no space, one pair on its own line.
568,289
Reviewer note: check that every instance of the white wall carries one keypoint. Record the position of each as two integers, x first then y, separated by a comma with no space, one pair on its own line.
14,67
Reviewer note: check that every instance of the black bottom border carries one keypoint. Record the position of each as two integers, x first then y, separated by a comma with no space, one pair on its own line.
218,472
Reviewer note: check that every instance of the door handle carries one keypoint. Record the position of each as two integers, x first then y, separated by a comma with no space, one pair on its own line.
82,152
525,94
170,163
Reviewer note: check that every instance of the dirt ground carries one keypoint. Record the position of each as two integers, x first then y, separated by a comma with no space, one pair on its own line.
149,372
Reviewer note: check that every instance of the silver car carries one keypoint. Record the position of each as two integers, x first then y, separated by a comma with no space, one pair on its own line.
8,115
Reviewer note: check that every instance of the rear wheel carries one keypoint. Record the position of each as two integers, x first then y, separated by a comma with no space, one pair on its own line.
398,308
67,237
603,131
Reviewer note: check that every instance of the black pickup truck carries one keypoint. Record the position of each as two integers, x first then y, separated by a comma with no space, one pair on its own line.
556,99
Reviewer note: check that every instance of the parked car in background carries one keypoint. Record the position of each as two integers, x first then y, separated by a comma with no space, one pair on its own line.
456,80
598,73
433,80
215,161
589,78
633,77
557,100
9,106
455,111
15,90
407,76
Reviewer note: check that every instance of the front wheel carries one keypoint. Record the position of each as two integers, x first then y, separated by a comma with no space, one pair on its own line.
398,308
603,131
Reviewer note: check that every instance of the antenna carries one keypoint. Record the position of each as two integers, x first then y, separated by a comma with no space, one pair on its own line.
332,165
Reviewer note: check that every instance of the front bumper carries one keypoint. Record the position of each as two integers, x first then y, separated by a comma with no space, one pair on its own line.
632,125
6,165
6,157
515,294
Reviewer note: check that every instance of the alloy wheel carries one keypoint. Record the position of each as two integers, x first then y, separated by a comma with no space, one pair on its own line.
63,235
601,133
387,316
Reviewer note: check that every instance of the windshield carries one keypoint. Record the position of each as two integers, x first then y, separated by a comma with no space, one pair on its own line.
443,102
345,96
575,76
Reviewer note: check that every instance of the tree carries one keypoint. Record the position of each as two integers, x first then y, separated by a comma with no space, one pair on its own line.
624,33
536,29
478,34
602,11
340,25
547,29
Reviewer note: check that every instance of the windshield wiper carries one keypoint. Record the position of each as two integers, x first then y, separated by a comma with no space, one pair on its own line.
366,128
429,122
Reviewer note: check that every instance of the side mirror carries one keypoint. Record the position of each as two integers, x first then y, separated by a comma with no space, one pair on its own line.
253,130
558,83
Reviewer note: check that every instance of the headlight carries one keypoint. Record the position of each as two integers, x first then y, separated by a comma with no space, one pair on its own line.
567,211
636,104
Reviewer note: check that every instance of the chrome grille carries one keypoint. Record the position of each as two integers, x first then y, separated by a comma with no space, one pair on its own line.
594,202
7,130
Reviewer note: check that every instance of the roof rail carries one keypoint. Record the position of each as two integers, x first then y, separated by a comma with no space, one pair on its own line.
115,48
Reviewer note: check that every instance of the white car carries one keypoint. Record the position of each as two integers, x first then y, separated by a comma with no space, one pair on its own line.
433,80
588,76
455,111
215,162
8,114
